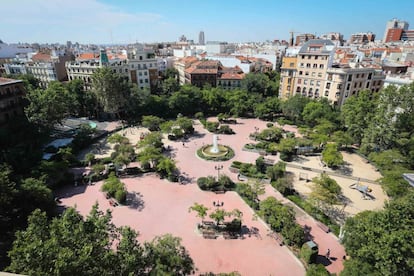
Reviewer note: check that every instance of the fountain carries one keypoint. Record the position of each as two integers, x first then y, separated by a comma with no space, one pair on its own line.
215,152
215,149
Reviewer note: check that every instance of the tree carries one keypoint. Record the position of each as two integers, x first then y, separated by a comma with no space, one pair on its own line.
150,156
317,270
293,107
200,209
70,244
48,107
325,190
166,167
151,122
153,139
286,148
219,215
170,85
35,194
112,90
316,110
342,138
331,156
115,188
382,240
166,256
256,83
358,112
268,109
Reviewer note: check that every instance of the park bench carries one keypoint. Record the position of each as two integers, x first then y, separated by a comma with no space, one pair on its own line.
220,191
325,228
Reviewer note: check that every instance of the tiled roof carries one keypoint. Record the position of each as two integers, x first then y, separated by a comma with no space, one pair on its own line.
41,57
84,56
232,76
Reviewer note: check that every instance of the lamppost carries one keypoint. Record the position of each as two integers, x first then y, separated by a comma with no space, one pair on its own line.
218,168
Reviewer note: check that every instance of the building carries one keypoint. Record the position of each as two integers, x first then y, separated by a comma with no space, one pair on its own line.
201,38
394,34
407,35
394,24
313,59
140,67
336,38
288,72
230,78
11,103
48,67
303,38
201,73
181,65
362,38
312,73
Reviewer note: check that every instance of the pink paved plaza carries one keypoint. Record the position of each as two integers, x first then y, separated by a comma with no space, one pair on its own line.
158,207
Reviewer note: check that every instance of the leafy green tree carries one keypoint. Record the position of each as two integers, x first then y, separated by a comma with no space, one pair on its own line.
382,240
325,190
316,110
186,101
70,244
387,159
35,194
150,155
170,85
186,124
200,209
271,134
286,148
394,184
166,166
269,109
276,171
112,90
153,139
166,256
241,102
219,215
256,83
342,138
357,112
293,107
331,156
151,122
48,107
115,188
215,99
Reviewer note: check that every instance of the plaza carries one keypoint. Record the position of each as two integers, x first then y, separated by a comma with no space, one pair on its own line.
156,206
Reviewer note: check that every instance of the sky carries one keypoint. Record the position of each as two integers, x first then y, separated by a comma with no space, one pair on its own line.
130,21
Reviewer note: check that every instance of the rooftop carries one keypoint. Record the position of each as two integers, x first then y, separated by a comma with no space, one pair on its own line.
4,81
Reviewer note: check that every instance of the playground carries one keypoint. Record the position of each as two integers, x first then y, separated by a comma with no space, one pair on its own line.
361,195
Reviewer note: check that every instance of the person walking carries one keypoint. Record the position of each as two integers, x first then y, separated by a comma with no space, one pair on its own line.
328,254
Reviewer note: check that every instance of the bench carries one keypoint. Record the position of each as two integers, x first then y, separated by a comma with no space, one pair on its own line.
219,192
325,228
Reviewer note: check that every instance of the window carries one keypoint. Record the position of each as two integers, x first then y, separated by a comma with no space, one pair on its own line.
315,65
306,73
348,86
355,84
302,65
360,84
349,77
321,66
318,83
369,76
140,57
367,85
362,75
326,93
309,57
312,82
305,82
299,81
140,73
308,65
140,81
289,81
328,85
145,73
339,86
298,89
300,72
319,75
313,74
146,80
357,76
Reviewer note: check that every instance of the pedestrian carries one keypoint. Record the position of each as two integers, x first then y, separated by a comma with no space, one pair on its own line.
328,254
183,144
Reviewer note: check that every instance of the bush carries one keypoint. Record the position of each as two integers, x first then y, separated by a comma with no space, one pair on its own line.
236,164
234,226
225,183
307,254
269,125
199,115
212,126
225,129
207,183
120,196
319,270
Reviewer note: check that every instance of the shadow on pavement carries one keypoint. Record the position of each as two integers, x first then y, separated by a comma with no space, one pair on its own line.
135,201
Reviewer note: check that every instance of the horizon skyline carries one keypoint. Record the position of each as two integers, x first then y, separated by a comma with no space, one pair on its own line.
146,21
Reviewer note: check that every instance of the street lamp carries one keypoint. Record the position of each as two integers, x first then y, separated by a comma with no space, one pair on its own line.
218,168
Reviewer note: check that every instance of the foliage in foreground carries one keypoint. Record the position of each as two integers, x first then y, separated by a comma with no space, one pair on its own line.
73,245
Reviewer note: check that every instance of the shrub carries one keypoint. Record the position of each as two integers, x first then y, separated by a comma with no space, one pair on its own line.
199,115
225,129
120,196
208,183
212,126
269,125
234,225
318,270
307,254
225,183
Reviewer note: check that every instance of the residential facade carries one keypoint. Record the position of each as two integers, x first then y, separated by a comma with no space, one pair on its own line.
11,103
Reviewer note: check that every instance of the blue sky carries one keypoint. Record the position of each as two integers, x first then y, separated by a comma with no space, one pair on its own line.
127,21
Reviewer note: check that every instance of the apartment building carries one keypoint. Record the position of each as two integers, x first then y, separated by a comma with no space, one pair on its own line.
288,72
140,67
181,65
311,73
313,59
48,67
11,103
303,38
230,78
362,38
